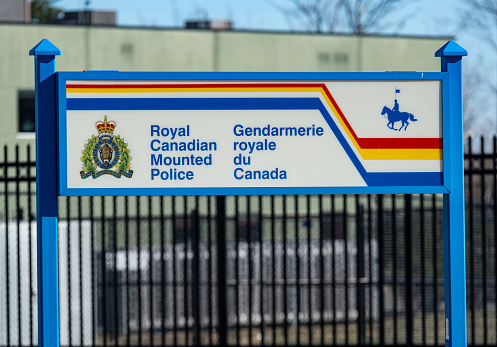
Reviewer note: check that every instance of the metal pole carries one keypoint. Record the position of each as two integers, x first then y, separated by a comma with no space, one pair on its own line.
46,193
454,237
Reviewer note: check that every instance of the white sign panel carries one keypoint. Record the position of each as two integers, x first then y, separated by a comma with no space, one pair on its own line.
223,137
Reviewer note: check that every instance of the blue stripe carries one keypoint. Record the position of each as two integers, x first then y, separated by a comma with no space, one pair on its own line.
252,191
194,104
404,178
371,179
342,140
219,77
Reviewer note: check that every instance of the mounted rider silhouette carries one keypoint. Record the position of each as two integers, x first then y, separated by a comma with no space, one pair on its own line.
396,106
394,115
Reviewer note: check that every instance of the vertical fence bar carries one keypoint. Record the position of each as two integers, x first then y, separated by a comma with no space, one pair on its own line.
163,297
347,274
371,270
69,291
394,265
7,230
494,210
423,267
360,272
321,271
30,251
309,269
80,269
128,284
210,292
186,241
139,270
150,273
18,238
221,271
333,270
261,270
59,309
435,261
175,280
285,263
103,258
237,268
249,275
409,283
196,237
94,283
273,273
381,268
115,269
471,242
483,239
297,259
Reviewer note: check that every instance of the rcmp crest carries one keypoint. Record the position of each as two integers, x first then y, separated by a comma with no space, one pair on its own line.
106,154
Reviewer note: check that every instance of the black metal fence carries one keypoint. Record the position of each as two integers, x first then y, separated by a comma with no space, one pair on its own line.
247,270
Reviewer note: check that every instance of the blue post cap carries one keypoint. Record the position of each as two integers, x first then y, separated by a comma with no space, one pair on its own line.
451,49
44,47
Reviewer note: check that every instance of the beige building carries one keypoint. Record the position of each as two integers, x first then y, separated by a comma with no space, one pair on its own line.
150,49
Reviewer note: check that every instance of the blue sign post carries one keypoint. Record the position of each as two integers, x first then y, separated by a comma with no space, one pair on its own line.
257,141
454,237
46,193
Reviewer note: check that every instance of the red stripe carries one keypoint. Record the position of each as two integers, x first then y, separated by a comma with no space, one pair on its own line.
408,143
207,85
365,143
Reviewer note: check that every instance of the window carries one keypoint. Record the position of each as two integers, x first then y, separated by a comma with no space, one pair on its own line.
26,109
324,58
341,58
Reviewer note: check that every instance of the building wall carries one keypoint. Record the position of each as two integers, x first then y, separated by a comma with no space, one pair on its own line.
18,11
149,49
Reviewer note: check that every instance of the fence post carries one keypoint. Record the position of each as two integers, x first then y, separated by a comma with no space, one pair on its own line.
409,283
46,193
195,240
454,237
361,273
222,305
381,268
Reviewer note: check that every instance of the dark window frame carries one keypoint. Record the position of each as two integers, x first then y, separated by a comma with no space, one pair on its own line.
26,111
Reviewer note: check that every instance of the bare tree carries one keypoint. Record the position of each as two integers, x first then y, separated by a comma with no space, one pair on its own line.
475,103
482,15
315,15
345,16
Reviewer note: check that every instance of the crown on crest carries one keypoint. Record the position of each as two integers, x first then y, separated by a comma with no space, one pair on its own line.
105,127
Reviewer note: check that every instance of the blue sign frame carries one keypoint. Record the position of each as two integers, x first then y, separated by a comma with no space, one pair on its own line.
382,183
50,103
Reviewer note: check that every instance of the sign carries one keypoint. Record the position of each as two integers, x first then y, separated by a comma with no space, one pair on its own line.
129,134
137,133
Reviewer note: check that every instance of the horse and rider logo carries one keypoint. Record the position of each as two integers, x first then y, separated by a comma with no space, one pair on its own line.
394,115
105,151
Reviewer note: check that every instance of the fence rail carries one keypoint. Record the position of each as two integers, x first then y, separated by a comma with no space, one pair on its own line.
248,270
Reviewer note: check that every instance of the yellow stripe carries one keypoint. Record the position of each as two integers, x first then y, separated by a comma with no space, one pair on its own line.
401,154
188,90
366,154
